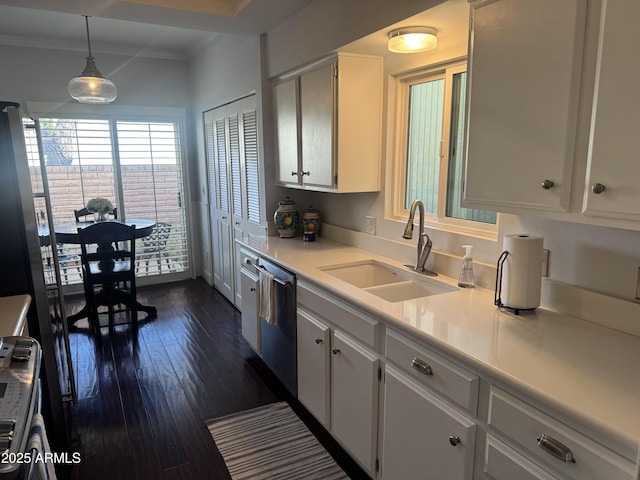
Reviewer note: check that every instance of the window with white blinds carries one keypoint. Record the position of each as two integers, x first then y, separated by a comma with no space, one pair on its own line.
137,165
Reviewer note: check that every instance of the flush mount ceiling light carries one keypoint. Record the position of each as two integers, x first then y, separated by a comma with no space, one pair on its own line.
90,86
412,39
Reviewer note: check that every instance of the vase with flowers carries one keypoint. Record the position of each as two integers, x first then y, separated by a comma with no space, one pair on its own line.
100,207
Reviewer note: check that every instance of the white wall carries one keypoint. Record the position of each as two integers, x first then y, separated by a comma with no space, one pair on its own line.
325,25
227,69
41,75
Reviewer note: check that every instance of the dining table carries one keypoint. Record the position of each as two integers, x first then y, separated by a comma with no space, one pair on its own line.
68,233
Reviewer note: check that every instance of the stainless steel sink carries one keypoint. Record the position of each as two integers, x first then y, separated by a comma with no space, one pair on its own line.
393,284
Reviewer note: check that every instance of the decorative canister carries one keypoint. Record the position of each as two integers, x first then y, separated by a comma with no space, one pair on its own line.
286,218
311,222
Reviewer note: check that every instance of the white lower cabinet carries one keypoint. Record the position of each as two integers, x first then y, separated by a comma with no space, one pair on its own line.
250,323
504,463
552,443
354,398
314,339
424,438
338,382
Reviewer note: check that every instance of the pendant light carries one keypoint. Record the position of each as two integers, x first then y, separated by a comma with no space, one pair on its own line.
412,39
90,86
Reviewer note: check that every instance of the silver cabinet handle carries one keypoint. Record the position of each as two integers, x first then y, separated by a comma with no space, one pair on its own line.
335,350
246,261
547,184
294,174
318,340
253,289
598,188
555,448
454,440
306,173
422,366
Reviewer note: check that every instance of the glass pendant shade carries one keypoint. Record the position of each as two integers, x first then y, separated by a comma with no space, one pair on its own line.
90,86
412,40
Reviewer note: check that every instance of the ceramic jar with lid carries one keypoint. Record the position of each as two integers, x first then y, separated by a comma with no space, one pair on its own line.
286,218
310,223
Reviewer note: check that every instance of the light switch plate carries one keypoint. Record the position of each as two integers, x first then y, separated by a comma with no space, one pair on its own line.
370,225
545,263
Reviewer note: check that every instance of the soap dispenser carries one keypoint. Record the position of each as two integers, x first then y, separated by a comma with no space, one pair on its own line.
466,280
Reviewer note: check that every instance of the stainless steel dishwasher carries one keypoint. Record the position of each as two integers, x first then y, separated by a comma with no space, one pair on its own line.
278,338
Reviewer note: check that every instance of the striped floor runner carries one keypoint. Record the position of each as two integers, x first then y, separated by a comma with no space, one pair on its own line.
271,443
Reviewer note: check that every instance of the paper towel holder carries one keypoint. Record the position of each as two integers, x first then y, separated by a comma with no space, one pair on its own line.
497,297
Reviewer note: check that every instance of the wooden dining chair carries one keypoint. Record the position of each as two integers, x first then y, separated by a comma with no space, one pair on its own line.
82,214
108,267
155,246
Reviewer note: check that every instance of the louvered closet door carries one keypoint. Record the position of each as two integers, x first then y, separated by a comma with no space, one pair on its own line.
244,162
217,149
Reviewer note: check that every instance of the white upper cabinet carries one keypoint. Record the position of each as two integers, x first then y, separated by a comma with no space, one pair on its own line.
328,119
525,64
612,186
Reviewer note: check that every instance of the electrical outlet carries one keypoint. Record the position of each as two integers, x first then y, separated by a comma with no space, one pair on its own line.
545,263
370,225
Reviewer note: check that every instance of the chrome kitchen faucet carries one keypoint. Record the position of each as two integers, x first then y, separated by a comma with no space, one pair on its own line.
424,242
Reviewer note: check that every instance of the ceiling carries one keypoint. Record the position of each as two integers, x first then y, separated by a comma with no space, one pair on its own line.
174,29
177,30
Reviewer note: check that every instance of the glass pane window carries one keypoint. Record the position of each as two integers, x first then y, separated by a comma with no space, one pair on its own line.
137,165
432,127
456,152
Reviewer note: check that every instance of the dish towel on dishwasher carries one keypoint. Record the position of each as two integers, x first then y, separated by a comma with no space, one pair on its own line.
267,302
38,445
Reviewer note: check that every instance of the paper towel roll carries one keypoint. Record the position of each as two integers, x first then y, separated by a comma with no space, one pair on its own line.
522,274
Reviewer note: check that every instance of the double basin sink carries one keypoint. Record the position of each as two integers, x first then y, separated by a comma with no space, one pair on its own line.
393,284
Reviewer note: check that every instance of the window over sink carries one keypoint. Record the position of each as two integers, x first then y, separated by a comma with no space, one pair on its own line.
429,149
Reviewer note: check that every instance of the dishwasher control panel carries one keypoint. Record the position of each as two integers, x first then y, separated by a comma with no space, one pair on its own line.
19,371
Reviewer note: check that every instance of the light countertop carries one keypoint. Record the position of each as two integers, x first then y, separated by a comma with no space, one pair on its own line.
584,370
13,314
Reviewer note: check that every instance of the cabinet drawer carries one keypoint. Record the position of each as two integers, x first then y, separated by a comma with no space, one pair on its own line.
503,463
365,329
248,259
524,424
434,371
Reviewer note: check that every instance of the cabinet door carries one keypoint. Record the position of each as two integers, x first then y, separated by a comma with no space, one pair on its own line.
313,366
614,152
250,321
424,438
317,106
217,148
525,62
354,399
285,103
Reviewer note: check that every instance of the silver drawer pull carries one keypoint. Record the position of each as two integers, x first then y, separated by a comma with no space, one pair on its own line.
555,448
318,340
422,366
335,350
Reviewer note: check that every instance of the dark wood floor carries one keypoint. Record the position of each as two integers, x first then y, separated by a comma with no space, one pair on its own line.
143,398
